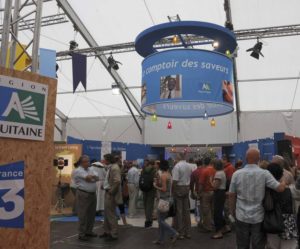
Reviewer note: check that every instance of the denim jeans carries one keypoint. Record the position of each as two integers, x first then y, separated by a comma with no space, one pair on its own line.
164,227
247,234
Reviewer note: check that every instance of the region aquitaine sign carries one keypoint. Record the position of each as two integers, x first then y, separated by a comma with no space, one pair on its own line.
23,106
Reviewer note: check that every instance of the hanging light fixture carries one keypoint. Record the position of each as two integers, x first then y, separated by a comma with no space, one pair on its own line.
169,127
213,122
175,39
227,52
115,89
215,44
112,63
205,117
154,118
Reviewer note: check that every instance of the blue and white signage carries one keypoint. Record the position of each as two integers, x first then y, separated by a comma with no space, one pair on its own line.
187,83
12,195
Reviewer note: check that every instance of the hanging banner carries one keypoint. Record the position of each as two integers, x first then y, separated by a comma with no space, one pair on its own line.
23,106
12,195
187,83
79,70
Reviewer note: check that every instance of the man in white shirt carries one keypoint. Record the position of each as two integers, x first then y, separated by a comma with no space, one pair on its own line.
133,177
85,180
181,187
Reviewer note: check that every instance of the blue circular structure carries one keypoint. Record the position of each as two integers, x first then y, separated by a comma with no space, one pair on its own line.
145,40
187,83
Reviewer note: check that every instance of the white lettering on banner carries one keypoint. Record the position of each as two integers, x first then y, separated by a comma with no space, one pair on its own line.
14,187
185,64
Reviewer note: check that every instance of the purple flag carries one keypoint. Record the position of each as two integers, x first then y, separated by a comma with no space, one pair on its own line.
79,70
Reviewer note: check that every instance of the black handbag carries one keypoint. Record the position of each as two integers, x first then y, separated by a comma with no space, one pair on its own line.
273,220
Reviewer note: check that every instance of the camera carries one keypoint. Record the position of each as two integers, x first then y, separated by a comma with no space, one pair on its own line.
60,163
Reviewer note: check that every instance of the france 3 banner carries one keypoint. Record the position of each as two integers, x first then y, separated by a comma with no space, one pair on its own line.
22,108
187,77
12,195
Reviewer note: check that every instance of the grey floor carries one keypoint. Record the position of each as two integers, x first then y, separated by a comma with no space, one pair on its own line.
64,236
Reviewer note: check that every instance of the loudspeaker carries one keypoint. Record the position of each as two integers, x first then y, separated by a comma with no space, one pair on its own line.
284,148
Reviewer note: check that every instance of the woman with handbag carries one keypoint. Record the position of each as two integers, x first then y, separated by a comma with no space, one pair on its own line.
288,238
164,186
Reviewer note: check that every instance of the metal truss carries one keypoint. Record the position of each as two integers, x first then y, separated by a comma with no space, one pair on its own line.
28,24
245,34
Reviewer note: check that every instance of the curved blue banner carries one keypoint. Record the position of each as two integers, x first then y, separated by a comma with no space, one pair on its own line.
187,83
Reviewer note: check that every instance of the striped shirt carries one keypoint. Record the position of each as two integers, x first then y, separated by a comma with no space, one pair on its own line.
249,185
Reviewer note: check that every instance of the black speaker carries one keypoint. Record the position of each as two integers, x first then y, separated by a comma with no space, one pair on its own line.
284,148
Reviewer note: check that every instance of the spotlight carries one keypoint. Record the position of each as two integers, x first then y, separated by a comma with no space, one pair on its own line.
73,45
215,44
205,117
256,50
112,63
115,89
169,127
227,52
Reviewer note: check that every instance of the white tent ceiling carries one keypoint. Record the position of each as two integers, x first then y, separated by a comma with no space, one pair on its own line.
112,22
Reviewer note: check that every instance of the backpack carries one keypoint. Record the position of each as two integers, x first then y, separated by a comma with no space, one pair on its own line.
146,181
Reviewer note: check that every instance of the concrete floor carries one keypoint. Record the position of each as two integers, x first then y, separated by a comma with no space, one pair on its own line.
64,236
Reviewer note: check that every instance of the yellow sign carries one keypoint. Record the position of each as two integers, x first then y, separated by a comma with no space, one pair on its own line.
23,62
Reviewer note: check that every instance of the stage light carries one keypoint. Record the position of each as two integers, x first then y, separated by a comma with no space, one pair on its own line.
205,117
112,63
73,45
175,39
213,123
215,44
115,89
169,127
227,52
256,50
154,118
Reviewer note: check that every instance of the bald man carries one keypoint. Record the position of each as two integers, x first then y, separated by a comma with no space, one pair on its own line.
246,192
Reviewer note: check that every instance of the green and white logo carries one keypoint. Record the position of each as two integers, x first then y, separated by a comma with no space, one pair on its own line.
22,108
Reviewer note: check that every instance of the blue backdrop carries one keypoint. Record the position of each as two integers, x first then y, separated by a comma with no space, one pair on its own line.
133,151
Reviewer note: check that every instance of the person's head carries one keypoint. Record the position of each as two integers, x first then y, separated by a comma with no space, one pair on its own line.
84,161
109,159
164,165
264,164
171,83
276,170
191,160
180,156
252,156
199,163
217,164
157,163
238,164
225,158
279,160
207,161
146,162
151,163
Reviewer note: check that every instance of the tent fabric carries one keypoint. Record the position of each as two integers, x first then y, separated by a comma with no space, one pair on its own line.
113,22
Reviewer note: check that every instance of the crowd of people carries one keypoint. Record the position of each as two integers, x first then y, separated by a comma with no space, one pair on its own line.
225,197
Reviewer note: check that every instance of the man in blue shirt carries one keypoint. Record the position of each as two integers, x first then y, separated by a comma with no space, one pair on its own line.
247,191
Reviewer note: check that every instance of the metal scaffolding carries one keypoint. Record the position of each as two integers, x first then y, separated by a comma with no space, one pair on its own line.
245,34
